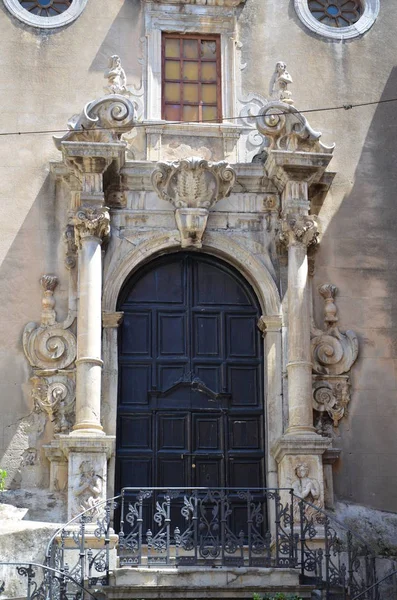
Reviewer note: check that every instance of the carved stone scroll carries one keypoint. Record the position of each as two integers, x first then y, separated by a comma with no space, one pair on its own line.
55,395
103,120
333,351
193,186
91,222
49,345
333,355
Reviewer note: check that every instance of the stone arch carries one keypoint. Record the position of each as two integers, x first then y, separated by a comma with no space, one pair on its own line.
217,244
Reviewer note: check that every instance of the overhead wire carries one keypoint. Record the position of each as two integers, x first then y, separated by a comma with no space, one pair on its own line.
216,121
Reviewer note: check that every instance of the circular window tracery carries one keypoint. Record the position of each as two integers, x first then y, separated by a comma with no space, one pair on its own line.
338,19
46,14
46,8
336,13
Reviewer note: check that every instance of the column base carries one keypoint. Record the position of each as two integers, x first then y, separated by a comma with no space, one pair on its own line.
87,429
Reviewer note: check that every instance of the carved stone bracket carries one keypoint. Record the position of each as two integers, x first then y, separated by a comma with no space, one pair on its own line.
48,345
103,120
193,186
333,355
54,394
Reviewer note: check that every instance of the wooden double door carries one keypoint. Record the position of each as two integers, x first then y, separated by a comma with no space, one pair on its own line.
190,404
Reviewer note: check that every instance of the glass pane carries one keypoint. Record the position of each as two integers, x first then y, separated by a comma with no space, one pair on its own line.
210,113
172,112
208,71
190,71
172,92
208,49
191,92
172,48
190,48
172,69
190,113
209,93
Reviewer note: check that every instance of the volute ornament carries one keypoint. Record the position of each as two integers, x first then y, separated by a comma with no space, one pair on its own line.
332,396
49,345
103,120
55,395
91,222
193,186
333,351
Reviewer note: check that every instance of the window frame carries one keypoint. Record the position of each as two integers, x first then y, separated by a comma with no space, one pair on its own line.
191,36
364,23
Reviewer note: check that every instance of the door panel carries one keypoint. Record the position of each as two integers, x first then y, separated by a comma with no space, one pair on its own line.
190,405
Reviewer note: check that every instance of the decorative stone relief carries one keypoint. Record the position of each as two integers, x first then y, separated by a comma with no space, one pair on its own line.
193,186
103,120
49,345
333,351
71,248
90,486
299,229
333,354
91,222
308,489
55,395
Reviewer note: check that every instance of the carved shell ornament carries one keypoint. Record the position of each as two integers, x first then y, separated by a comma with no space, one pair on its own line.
193,182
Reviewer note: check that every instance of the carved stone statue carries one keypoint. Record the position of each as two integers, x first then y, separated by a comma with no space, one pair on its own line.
279,84
306,488
89,489
115,74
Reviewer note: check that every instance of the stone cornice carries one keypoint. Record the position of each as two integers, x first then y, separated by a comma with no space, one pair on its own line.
300,445
283,166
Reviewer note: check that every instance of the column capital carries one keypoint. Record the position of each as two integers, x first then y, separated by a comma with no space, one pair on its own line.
268,324
299,229
112,319
91,222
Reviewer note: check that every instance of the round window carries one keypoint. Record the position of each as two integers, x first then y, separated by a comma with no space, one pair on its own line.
46,14
46,8
338,19
336,13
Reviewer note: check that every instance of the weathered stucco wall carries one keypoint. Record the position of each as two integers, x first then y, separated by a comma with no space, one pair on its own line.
47,77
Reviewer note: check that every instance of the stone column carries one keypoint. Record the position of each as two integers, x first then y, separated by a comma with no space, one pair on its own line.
92,225
299,231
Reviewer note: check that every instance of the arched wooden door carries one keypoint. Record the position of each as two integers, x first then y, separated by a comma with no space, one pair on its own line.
190,404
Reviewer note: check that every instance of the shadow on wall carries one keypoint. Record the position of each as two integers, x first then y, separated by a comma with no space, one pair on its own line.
120,41
36,249
359,254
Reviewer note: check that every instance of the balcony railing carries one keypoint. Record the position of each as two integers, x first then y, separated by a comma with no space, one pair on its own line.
268,528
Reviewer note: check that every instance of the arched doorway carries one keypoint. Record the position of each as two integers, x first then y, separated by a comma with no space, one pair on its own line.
190,402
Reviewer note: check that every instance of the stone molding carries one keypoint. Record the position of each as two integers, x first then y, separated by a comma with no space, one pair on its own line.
103,120
221,3
367,19
49,346
266,324
112,320
192,186
74,11
91,222
303,444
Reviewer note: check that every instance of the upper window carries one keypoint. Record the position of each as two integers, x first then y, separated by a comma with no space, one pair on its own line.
191,78
46,14
338,19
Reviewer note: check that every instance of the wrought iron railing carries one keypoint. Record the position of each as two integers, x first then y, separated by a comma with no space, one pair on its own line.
211,527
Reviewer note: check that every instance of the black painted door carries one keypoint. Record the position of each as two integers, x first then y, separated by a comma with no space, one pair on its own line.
190,406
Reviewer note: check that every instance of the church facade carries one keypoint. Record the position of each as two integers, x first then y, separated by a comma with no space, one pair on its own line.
198,260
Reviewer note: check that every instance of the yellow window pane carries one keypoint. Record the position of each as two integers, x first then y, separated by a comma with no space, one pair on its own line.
190,49
172,112
210,113
209,93
172,92
208,49
190,113
190,71
208,71
172,48
172,69
190,92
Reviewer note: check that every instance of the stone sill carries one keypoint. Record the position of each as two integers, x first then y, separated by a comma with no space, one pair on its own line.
217,130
